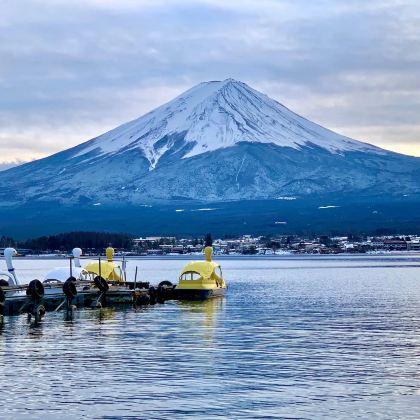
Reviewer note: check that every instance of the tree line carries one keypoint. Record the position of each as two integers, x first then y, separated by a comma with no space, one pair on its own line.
94,241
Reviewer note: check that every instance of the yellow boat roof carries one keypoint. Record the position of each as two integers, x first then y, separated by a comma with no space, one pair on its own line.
204,268
109,270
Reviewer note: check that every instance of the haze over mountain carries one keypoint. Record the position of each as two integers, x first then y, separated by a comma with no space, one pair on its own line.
220,141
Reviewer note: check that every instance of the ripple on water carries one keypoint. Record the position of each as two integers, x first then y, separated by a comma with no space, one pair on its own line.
316,340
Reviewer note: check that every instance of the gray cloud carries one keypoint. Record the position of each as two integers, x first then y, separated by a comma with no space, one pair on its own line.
72,70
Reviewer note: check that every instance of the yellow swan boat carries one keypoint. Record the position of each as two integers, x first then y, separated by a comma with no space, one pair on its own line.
201,279
108,269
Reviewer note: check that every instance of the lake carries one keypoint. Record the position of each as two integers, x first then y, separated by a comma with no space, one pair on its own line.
295,337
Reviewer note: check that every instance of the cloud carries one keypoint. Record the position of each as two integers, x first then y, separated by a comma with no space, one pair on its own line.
72,70
12,164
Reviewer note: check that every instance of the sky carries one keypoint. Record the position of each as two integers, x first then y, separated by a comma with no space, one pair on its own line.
72,70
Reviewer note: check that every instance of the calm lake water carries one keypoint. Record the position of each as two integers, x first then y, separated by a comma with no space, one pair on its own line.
315,337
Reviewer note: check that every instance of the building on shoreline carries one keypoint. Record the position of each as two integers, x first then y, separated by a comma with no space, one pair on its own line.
277,245
249,245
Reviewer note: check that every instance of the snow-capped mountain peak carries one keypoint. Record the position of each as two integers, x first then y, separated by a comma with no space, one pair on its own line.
214,115
220,141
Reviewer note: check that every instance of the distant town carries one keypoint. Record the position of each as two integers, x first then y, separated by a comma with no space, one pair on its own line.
93,242
277,245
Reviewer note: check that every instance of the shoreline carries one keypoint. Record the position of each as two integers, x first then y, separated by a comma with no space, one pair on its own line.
239,257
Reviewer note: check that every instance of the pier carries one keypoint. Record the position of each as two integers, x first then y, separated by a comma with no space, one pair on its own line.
36,298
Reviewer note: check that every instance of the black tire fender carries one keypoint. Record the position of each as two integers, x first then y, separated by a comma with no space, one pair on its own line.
166,283
35,289
2,296
101,283
161,294
152,294
69,288
143,299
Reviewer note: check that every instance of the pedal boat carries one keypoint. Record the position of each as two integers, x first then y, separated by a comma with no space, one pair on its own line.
201,280
65,287
108,269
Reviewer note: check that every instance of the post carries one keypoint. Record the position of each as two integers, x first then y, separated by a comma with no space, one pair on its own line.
71,267
100,271
124,269
135,278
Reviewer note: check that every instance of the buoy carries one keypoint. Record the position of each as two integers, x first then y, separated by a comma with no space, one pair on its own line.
35,289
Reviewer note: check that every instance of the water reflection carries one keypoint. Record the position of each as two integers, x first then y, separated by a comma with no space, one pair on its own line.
35,328
202,314
104,314
209,309
304,343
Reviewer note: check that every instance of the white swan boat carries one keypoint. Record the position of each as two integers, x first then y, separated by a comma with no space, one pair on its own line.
92,286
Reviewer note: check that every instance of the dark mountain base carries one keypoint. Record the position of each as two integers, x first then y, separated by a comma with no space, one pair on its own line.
303,216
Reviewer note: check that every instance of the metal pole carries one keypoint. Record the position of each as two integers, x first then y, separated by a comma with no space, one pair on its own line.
124,269
60,305
135,278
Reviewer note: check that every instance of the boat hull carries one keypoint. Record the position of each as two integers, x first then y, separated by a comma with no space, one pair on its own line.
198,294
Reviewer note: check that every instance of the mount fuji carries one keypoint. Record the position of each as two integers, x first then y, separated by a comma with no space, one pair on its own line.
219,142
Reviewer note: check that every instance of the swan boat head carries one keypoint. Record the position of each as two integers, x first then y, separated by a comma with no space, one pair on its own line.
9,253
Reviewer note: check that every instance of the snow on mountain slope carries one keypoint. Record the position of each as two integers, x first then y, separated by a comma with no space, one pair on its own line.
217,142
214,115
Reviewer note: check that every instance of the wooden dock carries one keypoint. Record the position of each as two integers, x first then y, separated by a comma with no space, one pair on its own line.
36,298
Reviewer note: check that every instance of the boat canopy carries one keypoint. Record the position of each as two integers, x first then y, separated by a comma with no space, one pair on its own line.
109,270
204,268
63,273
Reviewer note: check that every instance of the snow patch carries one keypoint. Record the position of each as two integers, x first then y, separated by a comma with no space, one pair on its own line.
328,207
287,198
204,209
